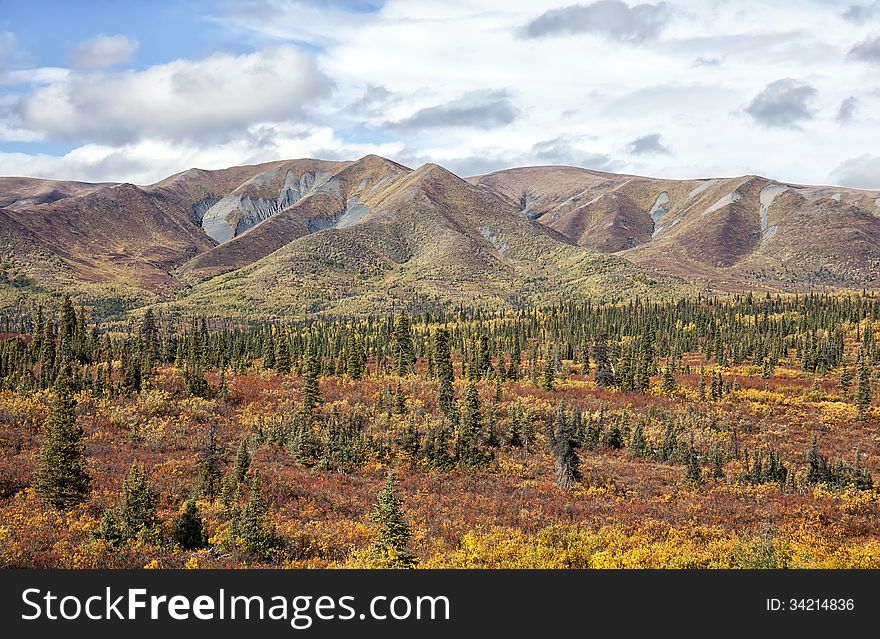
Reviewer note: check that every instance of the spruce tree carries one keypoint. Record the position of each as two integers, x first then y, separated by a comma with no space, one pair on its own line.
515,360
863,387
356,358
269,351
403,345
61,478
669,384
282,354
467,442
562,445
548,380
445,374
136,512
149,338
604,371
845,379
311,394
252,527
242,462
209,465
390,549
188,531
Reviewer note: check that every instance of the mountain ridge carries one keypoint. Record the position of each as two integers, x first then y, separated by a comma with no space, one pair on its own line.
317,236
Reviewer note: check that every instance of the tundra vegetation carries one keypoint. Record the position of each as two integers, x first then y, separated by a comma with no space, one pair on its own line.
739,431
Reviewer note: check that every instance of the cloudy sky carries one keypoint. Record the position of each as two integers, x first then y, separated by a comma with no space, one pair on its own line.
135,91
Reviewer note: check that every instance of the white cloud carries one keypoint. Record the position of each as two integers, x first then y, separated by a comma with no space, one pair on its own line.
218,95
688,82
149,161
861,172
611,18
103,51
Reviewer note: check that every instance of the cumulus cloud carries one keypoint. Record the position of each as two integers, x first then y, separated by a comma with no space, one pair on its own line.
611,18
647,144
867,50
184,98
847,110
148,161
782,103
565,150
374,100
103,51
862,172
562,150
476,109
860,13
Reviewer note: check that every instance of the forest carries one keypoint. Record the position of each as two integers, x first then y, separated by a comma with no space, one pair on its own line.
736,431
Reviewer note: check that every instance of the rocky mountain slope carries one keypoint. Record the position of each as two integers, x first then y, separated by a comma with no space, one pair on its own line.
733,233
299,236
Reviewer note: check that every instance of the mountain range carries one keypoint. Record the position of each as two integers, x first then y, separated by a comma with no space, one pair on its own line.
313,236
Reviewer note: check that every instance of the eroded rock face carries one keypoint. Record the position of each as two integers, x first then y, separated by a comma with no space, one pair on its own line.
244,209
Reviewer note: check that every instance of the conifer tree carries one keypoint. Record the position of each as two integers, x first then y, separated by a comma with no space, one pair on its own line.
282,354
269,351
356,358
445,374
845,379
188,531
390,549
311,394
693,473
515,361
242,462
61,478
136,512
863,387
548,380
467,442
403,345
209,465
604,372
669,384
252,527
149,338
562,445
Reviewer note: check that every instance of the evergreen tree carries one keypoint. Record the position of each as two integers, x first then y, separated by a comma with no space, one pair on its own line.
845,379
61,478
242,462
209,465
515,361
604,371
149,340
390,549
693,473
252,527
669,384
136,512
311,394
269,351
445,374
282,354
356,358
549,375
863,387
468,450
562,444
188,531
403,345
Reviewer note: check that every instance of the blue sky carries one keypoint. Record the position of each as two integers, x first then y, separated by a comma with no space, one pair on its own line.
112,90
